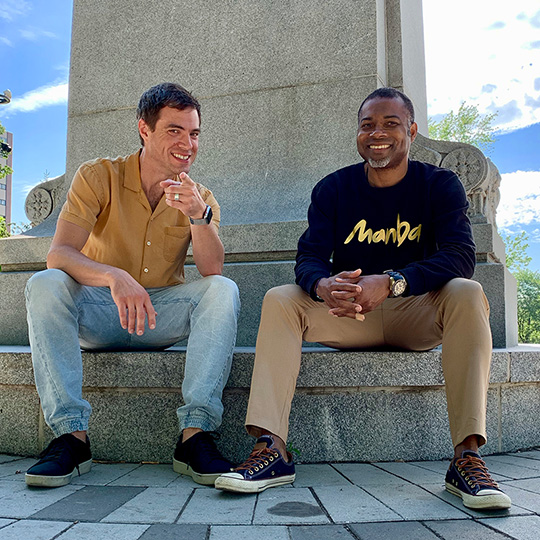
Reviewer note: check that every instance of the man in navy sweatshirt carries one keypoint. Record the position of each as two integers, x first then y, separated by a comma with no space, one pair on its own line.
386,260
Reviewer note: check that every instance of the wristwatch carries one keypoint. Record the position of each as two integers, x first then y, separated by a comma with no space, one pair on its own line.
398,284
206,219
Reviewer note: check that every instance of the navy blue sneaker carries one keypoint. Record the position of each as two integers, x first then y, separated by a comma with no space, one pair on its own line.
199,458
60,461
469,478
263,469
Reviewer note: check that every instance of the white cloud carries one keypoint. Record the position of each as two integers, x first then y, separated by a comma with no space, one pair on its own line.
520,201
493,62
11,9
33,34
6,41
44,96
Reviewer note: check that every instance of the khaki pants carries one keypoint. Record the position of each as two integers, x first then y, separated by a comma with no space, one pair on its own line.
457,315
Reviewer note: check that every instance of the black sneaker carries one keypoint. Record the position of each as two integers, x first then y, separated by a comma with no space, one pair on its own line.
264,468
199,458
469,478
65,456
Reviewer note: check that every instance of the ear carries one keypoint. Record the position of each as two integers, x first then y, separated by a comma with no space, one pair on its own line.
143,129
414,131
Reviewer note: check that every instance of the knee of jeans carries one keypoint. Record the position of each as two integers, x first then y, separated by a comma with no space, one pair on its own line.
46,283
225,288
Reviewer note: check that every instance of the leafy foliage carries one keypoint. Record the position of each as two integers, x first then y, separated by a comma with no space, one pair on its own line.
528,306
4,169
516,252
467,125
4,233
528,283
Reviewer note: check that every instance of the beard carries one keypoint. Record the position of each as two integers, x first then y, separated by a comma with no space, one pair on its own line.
379,164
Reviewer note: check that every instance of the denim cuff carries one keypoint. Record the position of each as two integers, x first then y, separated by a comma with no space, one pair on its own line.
69,426
203,422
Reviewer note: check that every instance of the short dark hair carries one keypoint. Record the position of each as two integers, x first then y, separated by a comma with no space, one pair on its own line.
164,95
390,93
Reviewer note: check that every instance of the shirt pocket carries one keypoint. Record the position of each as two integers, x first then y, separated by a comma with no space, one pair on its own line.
176,243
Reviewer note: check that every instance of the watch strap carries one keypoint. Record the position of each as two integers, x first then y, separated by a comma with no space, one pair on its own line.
206,219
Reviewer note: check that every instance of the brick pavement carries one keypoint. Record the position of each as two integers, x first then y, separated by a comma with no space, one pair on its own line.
342,501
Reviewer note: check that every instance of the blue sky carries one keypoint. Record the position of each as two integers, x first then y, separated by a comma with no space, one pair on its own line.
485,52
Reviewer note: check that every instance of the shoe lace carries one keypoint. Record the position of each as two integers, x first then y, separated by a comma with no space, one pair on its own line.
258,458
473,469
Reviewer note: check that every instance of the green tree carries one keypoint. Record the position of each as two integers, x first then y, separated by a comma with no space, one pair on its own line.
528,285
4,233
4,153
528,305
467,125
516,252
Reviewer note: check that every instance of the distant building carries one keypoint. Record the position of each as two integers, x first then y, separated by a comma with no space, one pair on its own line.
5,183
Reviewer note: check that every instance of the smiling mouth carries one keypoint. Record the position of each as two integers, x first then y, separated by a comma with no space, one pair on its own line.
180,156
379,146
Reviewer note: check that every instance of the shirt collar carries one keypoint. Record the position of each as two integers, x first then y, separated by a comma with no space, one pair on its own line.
132,172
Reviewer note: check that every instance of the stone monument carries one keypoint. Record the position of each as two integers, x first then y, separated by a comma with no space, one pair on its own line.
280,83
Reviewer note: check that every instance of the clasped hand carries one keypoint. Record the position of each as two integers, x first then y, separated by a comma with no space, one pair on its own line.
349,294
183,195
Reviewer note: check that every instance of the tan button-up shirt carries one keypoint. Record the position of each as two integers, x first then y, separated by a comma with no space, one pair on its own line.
107,200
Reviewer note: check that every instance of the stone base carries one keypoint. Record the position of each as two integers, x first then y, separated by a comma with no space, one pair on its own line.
371,406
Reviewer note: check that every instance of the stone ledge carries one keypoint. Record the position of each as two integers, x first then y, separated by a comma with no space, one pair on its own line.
371,406
350,369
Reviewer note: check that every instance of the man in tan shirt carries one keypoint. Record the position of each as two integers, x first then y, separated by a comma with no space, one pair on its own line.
115,280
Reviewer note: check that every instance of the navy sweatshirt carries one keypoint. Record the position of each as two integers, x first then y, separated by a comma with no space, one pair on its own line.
418,227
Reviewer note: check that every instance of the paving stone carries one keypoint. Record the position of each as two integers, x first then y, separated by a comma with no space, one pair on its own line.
364,474
440,492
103,474
288,506
13,470
93,531
5,522
153,505
531,454
5,458
436,466
412,502
320,532
211,506
463,528
167,531
523,499
9,488
391,531
318,475
526,463
350,504
530,484
34,530
412,473
148,476
252,532
510,470
520,528
21,503
91,503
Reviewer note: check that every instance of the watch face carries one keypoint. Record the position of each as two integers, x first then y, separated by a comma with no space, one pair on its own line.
399,287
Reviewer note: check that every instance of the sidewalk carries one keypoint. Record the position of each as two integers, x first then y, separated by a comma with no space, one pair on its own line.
344,501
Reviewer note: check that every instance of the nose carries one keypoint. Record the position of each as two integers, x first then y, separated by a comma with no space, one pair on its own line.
378,131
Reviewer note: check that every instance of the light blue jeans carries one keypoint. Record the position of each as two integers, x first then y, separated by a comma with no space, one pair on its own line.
64,316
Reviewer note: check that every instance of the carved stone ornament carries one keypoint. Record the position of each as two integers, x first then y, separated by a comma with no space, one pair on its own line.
38,205
42,199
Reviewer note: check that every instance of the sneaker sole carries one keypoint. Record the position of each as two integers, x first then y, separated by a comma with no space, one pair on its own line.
203,479
251,486
57,481
482,502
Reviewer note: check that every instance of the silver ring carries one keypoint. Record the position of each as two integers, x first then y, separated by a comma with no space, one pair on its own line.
177,196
